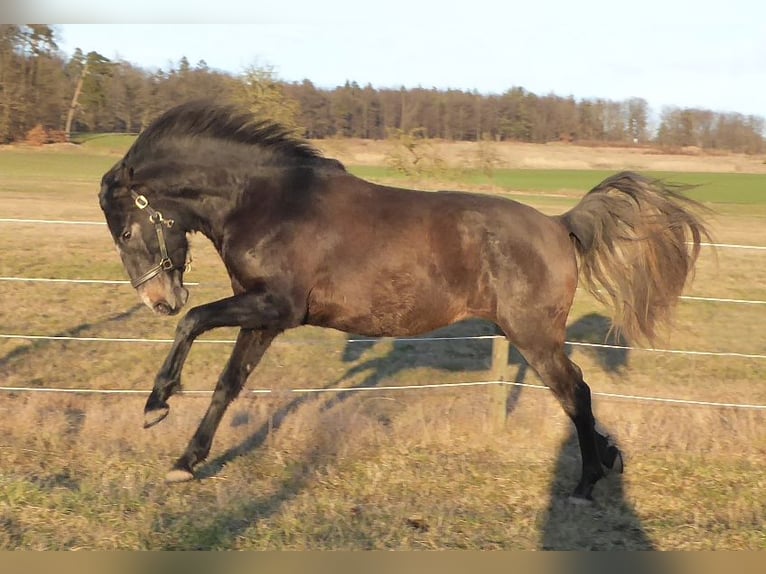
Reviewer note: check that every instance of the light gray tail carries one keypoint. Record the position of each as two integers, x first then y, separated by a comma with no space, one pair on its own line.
637,241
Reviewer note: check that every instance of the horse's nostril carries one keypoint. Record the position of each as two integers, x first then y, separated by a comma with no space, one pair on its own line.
162,308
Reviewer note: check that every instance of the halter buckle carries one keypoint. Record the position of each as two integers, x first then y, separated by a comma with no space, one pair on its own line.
141,202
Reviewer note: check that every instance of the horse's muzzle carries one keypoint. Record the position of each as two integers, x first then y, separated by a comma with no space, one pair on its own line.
163,295
163,308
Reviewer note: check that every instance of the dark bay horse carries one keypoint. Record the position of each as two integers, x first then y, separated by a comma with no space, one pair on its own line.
307,243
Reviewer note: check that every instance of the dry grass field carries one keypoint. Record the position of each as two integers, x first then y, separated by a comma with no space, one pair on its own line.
484,467
561,156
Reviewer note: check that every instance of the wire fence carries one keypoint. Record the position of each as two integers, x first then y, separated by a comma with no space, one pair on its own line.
375,340
33,337
213,283
81,222
388,388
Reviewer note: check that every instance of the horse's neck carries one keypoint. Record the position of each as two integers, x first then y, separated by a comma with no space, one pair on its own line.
206,210
205,213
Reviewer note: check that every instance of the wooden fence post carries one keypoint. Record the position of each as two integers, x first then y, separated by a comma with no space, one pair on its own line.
500,348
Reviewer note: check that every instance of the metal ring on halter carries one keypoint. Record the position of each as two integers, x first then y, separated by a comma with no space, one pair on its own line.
141,201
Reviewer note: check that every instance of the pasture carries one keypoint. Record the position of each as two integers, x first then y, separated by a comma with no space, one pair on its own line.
446,467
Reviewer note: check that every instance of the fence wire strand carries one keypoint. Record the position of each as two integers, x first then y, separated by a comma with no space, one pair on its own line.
384,388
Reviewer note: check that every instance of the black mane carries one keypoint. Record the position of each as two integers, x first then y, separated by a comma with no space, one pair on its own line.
224,122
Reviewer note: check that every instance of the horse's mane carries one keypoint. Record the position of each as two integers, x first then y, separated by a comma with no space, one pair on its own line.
206,119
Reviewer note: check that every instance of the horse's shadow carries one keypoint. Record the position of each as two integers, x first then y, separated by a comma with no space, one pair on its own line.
19,354
465,355
461,355
458,351
563,526
611,523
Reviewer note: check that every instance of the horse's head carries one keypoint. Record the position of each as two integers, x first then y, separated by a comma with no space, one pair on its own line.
151,243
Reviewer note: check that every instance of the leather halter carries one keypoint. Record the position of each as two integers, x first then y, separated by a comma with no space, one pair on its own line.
165,264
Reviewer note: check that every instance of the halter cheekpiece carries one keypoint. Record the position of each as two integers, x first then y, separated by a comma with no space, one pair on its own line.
165,264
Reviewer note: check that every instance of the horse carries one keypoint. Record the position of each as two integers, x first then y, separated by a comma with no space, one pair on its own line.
305,242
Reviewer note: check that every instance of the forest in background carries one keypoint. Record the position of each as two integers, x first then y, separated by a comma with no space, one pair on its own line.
46,95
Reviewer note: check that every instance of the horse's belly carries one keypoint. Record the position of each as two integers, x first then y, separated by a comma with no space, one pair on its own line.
391,309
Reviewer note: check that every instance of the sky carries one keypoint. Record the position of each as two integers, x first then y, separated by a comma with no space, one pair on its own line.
681,53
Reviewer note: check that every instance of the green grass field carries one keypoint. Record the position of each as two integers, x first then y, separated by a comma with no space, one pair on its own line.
449,468
729,188
38,166
104,142
97,152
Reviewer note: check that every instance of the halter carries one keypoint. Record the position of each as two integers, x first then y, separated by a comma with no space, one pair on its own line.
165,264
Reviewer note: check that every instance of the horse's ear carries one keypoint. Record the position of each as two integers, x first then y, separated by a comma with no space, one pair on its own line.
121,175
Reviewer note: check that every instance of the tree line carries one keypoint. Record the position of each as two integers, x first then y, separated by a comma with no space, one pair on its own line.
41,87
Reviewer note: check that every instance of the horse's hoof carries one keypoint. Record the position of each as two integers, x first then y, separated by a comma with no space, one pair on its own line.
580,501
614,461
178,475
618,466
153,416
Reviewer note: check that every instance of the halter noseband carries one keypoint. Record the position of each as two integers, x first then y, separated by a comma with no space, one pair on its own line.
165,264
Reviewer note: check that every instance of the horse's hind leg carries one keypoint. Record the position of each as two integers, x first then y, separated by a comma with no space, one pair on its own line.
565,379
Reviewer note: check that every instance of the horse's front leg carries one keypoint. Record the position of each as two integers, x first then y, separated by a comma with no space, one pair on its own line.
247,353
261,311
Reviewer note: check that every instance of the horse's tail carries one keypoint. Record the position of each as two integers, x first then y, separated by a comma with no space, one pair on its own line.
637,241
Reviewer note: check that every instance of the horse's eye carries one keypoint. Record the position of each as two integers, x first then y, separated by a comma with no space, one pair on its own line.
126,235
